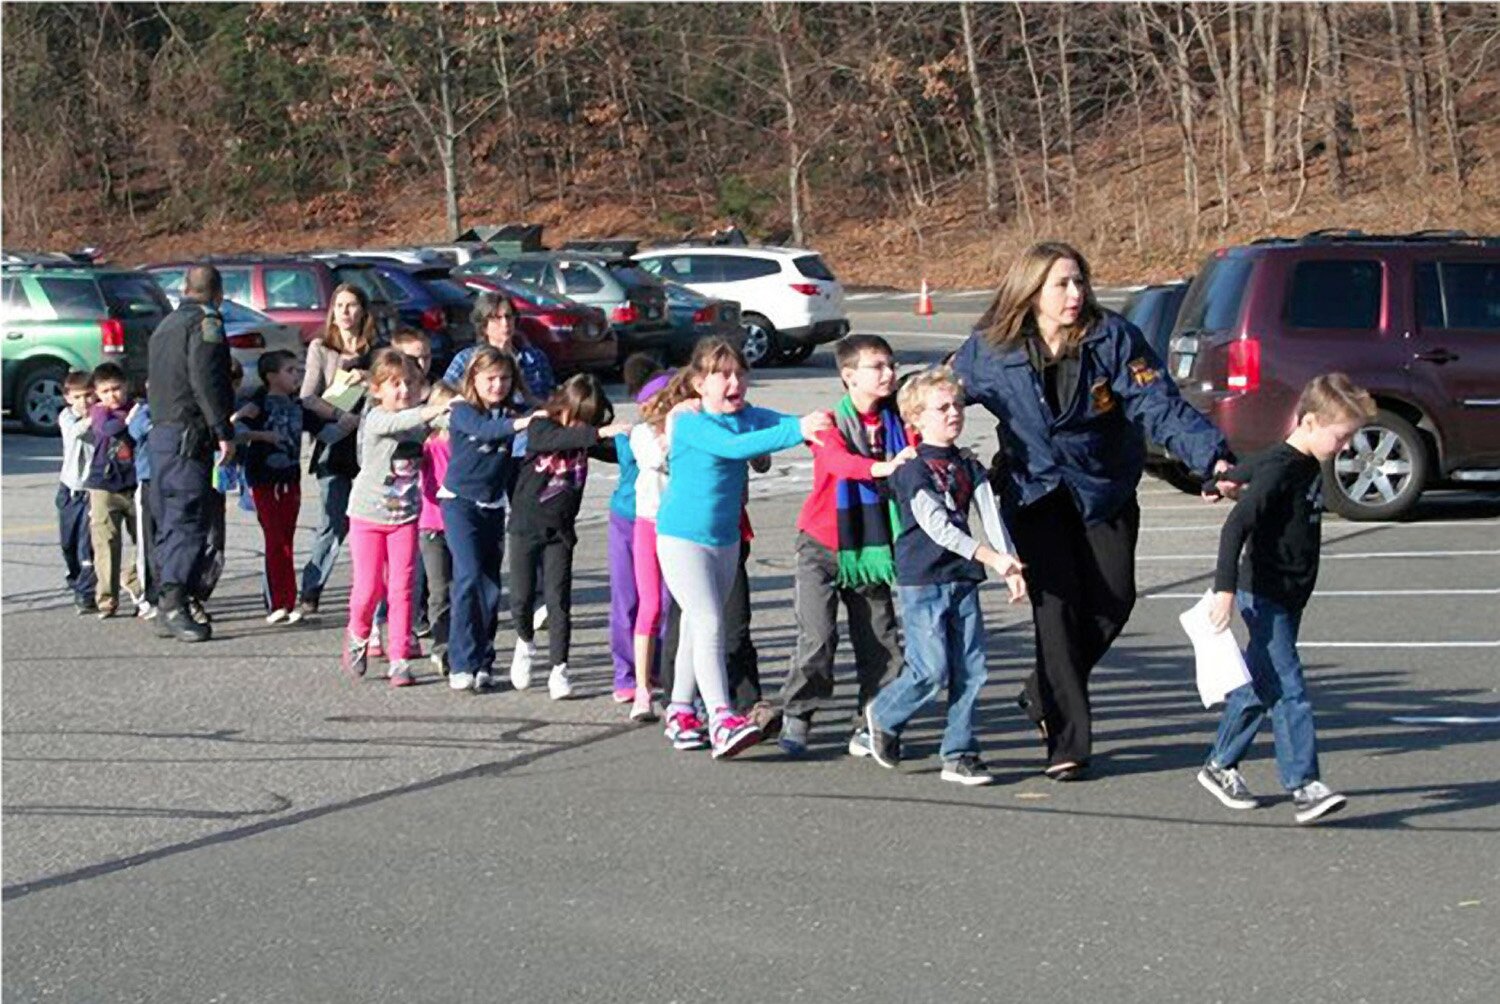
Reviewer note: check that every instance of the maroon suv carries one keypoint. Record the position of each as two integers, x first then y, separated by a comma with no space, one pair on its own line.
1415,319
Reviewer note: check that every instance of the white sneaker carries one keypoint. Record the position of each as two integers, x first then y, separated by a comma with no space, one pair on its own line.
145,610
538,618
520,665
558,684
483,679
276,616
460,681
294,615
643,708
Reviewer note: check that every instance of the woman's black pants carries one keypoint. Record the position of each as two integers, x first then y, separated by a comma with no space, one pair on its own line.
1082,585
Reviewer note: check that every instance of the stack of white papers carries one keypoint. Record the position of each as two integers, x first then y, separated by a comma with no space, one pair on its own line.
1221,667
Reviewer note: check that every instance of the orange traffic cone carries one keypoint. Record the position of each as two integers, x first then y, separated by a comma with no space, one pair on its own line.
924,301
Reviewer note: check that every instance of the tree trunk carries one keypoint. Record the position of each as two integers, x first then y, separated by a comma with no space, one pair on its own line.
448,137
1421,112
981,117
1041,114
789,111
1267,46
1070,152
1447,92
1320,30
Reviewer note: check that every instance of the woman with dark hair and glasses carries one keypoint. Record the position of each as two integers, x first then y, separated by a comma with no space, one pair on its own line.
495,324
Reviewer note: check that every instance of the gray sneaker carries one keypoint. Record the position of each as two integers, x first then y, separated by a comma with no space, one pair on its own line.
859,743
1228,786
967,770
793,738
885,749
1314,800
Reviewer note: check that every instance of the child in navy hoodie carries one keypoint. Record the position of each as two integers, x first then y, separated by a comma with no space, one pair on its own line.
939,567
111,486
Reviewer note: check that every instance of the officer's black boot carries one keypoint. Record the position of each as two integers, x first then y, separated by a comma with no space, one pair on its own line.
175,620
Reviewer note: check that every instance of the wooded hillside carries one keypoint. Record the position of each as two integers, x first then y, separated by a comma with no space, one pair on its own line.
898,138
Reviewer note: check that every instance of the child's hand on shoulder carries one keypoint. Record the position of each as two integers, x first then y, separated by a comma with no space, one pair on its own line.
1219,610
885,468
814,424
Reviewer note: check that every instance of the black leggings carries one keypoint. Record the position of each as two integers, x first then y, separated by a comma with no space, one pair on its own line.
1082,584
554,548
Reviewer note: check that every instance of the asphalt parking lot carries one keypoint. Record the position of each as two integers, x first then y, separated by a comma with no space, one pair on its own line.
236,822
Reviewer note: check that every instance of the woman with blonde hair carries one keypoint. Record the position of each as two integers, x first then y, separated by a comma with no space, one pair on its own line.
1073,387
347,341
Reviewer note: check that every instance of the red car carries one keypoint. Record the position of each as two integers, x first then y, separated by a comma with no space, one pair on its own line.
1414,318
575,337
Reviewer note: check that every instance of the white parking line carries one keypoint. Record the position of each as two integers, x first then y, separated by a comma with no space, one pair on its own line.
1399,644
1446,719
1321,593
1334,557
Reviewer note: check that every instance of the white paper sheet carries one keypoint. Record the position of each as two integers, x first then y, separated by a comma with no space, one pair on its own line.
1220,665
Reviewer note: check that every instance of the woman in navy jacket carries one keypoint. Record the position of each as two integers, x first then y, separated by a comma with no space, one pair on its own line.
1073,387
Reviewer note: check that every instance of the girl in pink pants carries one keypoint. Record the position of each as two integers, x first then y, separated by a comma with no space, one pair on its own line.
384,504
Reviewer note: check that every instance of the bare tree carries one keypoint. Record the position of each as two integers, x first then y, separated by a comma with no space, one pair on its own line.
981,118
1447,92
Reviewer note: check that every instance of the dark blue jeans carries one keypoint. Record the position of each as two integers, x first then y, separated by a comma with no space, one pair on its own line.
328,538
77,544
944,645
1275,683
476,542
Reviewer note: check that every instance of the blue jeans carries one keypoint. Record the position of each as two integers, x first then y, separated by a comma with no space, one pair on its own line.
1275,683
476,543
328,538
944,644
77,544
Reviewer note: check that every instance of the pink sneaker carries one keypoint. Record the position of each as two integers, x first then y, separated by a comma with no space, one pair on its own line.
685,730
624,695
733,734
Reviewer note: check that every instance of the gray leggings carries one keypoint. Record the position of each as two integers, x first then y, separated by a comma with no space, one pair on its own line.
699,578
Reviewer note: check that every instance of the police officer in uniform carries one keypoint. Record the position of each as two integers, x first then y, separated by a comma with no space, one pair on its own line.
1073,388
191,399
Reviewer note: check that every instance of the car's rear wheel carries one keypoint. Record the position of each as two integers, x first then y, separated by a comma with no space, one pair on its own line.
39,398
1382,472
760,346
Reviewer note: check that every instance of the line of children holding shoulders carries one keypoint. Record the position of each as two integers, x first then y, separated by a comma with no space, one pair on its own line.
442,473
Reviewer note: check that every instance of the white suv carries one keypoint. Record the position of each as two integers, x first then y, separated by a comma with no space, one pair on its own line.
790,302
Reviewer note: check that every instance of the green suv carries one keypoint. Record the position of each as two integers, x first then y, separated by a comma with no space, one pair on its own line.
60,317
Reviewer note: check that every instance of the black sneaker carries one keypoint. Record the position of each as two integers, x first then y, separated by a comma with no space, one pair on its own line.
1314,800
309,606
178,623
85,605
884,747
195,608
968,770
1228,786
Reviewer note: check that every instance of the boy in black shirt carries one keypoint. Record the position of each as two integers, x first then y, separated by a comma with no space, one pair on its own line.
1280,514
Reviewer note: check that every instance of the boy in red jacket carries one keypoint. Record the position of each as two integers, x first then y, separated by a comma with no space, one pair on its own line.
844,547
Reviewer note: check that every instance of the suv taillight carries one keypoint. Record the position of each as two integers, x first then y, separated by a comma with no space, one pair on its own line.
625,313
247,340
112,337
433,319
1244,364
703,315
806,288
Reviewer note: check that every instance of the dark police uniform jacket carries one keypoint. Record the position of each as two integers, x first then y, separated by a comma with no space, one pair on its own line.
1094,448
189,384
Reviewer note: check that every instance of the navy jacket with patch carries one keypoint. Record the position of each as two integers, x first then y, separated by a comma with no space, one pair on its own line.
1094,448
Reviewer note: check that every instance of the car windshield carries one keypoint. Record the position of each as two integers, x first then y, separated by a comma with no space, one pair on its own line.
678,294
630,273
1213,302
445,290
534,295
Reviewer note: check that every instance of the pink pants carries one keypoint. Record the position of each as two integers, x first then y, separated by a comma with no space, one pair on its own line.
385,562
647,579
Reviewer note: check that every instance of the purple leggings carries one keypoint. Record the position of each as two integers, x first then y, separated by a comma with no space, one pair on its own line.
624,602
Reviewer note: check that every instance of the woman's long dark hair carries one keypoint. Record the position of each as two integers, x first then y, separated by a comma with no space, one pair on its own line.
1009,315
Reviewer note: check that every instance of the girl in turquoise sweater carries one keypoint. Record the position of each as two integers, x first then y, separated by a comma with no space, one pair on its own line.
698,531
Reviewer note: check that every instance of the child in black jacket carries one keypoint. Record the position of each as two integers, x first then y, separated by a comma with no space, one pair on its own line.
544,507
